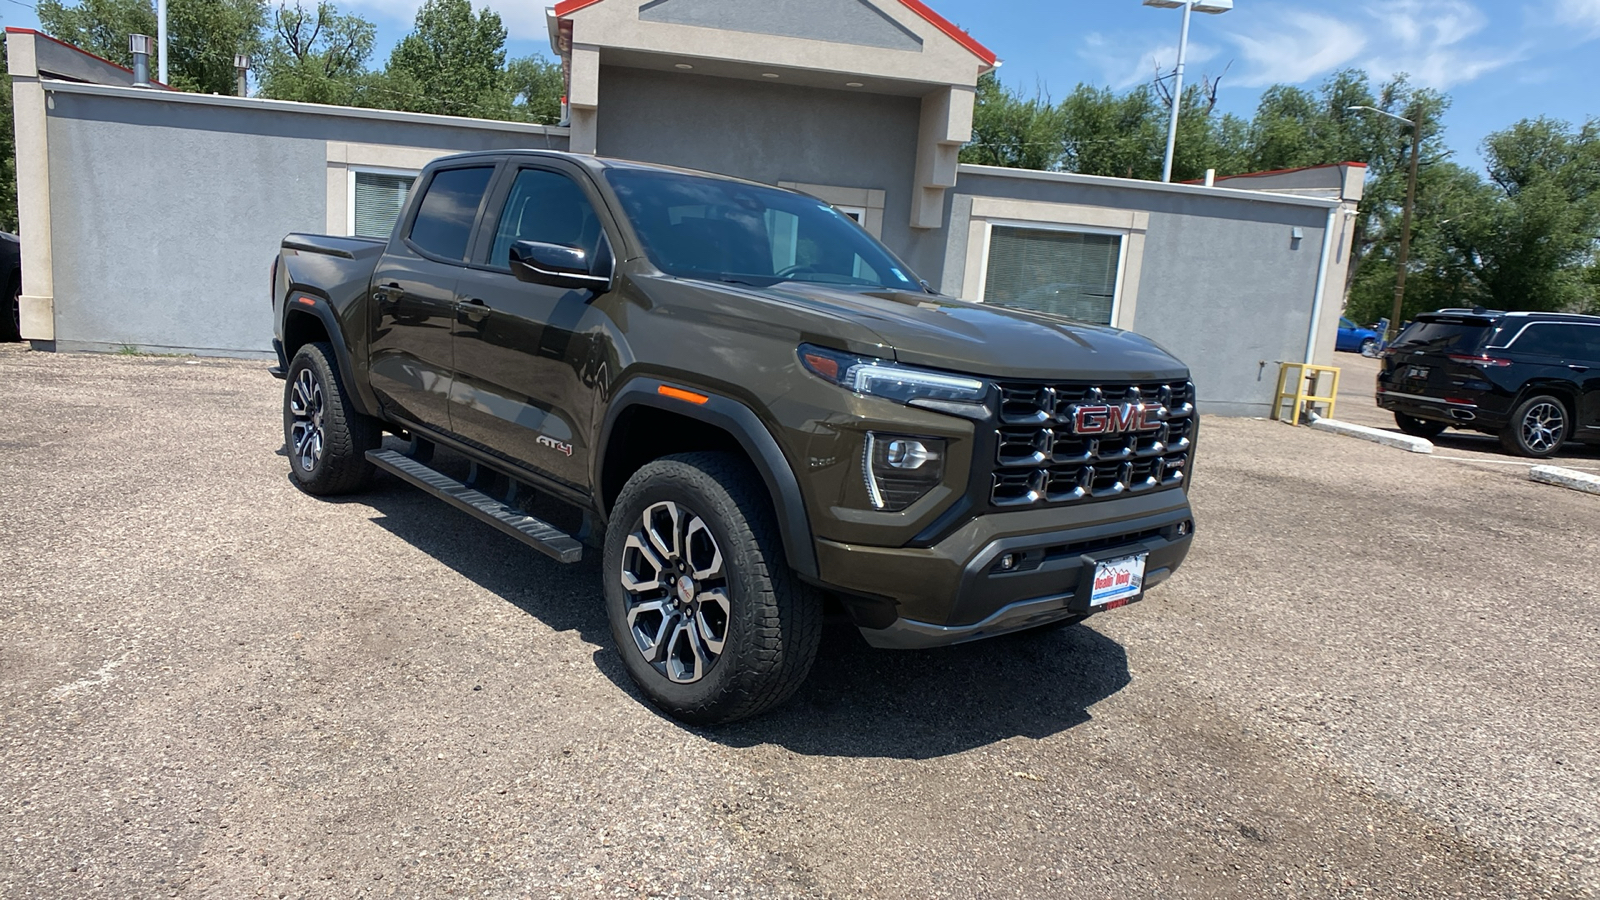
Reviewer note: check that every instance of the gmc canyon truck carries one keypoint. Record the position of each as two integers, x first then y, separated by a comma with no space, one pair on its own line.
752,408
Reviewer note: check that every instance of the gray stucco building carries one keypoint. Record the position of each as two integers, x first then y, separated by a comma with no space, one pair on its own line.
148,217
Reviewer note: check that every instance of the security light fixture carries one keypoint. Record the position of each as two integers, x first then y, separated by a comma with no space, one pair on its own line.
685,66
1213,7
769,74
852,84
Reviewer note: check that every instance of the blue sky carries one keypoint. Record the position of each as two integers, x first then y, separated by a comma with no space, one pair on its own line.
1499,60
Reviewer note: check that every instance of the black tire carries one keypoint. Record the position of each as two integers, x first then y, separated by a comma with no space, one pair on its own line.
771,622
1538,426
1422,428
339,465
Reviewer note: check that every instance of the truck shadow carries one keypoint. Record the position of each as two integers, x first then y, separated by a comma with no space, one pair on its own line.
858,702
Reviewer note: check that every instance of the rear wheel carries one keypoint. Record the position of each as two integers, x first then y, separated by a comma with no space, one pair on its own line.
327,440
710,622
1369,347
1539,426
1422,428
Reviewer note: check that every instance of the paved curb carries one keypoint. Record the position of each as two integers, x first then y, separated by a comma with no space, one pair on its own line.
1376,435
1567,478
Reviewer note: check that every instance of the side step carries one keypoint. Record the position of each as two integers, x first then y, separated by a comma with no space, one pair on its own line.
536,533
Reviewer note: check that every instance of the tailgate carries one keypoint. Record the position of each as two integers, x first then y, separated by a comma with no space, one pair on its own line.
1419,361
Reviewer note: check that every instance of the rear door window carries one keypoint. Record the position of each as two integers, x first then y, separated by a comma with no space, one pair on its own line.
1551,339
443,226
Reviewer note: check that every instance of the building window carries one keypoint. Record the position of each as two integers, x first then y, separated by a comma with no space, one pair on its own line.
376,200
1069,273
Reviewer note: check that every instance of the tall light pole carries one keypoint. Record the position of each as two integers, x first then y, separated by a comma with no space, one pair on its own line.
1213,7
1405,215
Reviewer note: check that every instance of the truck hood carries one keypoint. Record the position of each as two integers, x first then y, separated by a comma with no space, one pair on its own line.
982,339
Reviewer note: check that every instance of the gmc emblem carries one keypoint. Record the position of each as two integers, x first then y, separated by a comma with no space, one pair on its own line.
1117,419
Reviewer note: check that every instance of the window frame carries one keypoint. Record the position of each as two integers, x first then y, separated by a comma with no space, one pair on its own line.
1122,256
496,166
350,192
500,194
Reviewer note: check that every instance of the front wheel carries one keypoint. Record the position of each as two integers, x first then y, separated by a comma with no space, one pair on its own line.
1538,427
710,622
326,439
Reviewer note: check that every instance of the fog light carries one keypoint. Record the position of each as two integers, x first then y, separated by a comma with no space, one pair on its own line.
899,470
904,454
1183,529
1008,562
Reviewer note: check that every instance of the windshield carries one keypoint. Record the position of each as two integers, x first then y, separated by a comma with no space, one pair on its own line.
695,227
1445,334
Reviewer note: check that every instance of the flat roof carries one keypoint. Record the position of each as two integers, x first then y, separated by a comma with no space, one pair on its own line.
1193,190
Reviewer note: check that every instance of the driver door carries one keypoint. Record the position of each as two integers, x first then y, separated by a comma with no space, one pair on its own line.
521,349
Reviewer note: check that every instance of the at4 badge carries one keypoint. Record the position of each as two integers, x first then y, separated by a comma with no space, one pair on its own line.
553,444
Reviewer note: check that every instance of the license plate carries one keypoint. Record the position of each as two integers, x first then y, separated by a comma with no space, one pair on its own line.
1117,581
1418,372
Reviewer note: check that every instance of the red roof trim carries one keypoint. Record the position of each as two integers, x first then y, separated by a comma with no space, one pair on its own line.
1355,165
77,49
951,31
568,7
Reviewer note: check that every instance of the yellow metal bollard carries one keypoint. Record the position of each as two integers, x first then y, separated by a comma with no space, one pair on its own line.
1304,393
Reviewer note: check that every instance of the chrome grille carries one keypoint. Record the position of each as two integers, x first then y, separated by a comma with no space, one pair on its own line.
1040,459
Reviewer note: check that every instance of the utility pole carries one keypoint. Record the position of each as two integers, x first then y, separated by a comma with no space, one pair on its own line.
1405,216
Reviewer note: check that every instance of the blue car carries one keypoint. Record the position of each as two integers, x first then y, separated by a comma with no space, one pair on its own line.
1355,339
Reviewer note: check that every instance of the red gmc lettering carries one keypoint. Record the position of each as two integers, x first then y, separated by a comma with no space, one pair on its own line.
1116,419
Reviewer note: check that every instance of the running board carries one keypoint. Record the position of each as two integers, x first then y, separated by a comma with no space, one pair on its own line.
536,533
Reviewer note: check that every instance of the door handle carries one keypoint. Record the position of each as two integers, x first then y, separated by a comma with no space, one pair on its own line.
389,293
474,310
1578,368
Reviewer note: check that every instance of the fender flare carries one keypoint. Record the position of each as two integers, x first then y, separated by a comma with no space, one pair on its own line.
294,302
732,416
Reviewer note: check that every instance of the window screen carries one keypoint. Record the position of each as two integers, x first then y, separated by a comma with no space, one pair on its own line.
1061,272
378,202
444,222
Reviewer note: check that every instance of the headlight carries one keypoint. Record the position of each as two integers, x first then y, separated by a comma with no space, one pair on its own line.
889,380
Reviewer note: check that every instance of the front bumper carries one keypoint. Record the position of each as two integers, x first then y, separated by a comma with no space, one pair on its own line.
956,591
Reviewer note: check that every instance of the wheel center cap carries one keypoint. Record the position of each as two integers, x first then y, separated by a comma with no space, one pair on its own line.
685,589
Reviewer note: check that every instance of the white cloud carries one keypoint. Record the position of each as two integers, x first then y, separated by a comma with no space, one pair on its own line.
1123,70
1431,40
1582,13
1439,43
1291,45
523,20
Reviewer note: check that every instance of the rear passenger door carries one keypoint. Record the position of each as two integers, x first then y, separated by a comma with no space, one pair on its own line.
526,353
1586,369
411,307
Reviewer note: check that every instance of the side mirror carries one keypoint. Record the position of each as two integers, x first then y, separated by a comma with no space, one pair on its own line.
555,265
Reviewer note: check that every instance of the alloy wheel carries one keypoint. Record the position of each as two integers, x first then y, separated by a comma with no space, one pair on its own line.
307,406
677,605
1543,427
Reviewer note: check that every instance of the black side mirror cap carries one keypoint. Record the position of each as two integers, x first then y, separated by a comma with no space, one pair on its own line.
556,265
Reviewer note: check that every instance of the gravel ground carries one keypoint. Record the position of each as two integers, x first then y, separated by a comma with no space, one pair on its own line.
1376,677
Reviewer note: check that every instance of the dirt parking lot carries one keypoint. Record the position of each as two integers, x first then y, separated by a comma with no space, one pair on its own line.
1376,677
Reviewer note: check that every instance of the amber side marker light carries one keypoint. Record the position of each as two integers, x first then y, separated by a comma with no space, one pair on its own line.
305,301
681,394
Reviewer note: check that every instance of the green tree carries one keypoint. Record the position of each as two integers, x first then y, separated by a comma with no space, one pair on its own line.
1013,131
202,35
536,86
99,26
8,154
452,63
317,56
